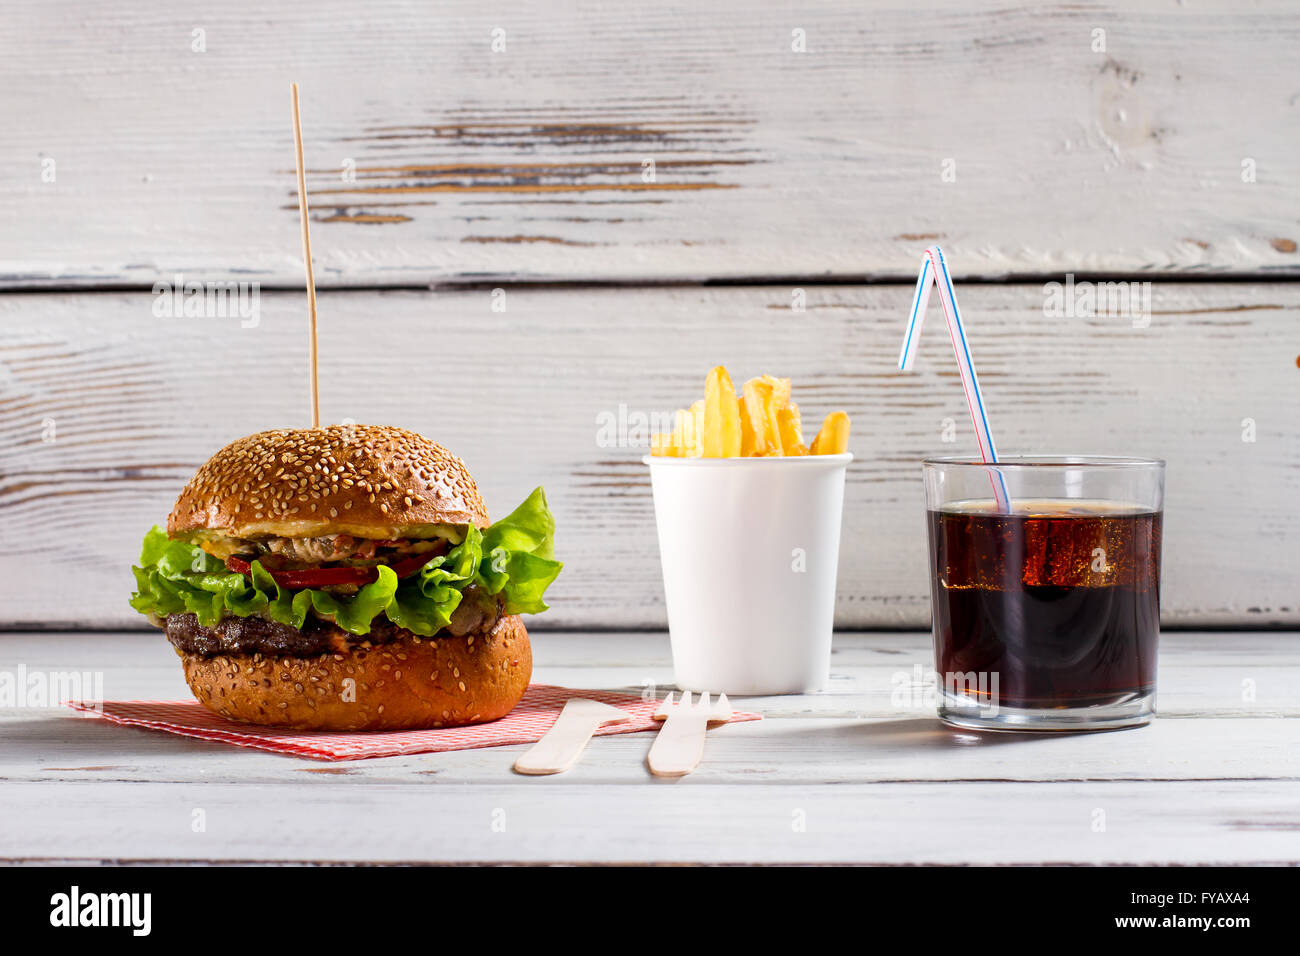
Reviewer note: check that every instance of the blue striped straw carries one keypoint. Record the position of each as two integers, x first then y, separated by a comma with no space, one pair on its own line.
934,270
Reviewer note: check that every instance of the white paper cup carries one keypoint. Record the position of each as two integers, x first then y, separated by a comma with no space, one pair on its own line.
750,549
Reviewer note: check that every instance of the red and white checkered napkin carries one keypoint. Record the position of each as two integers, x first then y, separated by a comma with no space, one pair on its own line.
531,718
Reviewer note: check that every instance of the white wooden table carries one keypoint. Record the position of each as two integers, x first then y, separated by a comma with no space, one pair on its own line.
841,776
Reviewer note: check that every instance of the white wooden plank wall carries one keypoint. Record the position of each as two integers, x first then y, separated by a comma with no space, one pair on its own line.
138,402
528,162
130,157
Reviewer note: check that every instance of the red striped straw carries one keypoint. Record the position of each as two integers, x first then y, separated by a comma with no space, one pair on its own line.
934,270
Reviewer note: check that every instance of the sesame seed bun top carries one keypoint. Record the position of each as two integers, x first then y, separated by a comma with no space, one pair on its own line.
372,481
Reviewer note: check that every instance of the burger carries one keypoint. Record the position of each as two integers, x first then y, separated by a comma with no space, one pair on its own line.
347,578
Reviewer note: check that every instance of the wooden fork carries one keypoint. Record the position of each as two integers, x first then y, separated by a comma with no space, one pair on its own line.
680,743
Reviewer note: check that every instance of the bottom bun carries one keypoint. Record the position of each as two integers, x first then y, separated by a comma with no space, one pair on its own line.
418,682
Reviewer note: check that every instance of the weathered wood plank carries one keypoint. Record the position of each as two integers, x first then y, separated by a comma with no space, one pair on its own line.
1218,789
136,403
1204,675
1221,822
62,748
864,730
434,159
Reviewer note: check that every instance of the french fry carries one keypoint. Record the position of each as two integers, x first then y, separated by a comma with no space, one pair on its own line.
761,421
681,432
662,445
780,390
833,439
751,409
694,447
721,433
747,436
791,431
760,409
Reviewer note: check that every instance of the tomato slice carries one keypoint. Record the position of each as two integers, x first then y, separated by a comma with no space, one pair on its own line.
330,577
323,577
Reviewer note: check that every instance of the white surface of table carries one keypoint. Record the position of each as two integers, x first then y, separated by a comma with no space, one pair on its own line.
843,776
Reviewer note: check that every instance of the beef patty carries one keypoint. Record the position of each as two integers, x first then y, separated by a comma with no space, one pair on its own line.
477,613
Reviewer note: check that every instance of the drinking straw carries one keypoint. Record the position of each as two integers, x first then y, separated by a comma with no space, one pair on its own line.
934,269
920,302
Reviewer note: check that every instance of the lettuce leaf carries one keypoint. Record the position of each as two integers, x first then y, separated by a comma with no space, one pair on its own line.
530,529
514,558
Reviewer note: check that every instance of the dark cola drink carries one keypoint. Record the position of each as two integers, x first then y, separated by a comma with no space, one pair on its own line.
1054,605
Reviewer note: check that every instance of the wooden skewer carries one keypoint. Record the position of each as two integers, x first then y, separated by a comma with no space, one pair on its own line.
306,255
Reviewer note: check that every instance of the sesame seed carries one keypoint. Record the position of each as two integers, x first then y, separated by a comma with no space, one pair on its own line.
269,470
